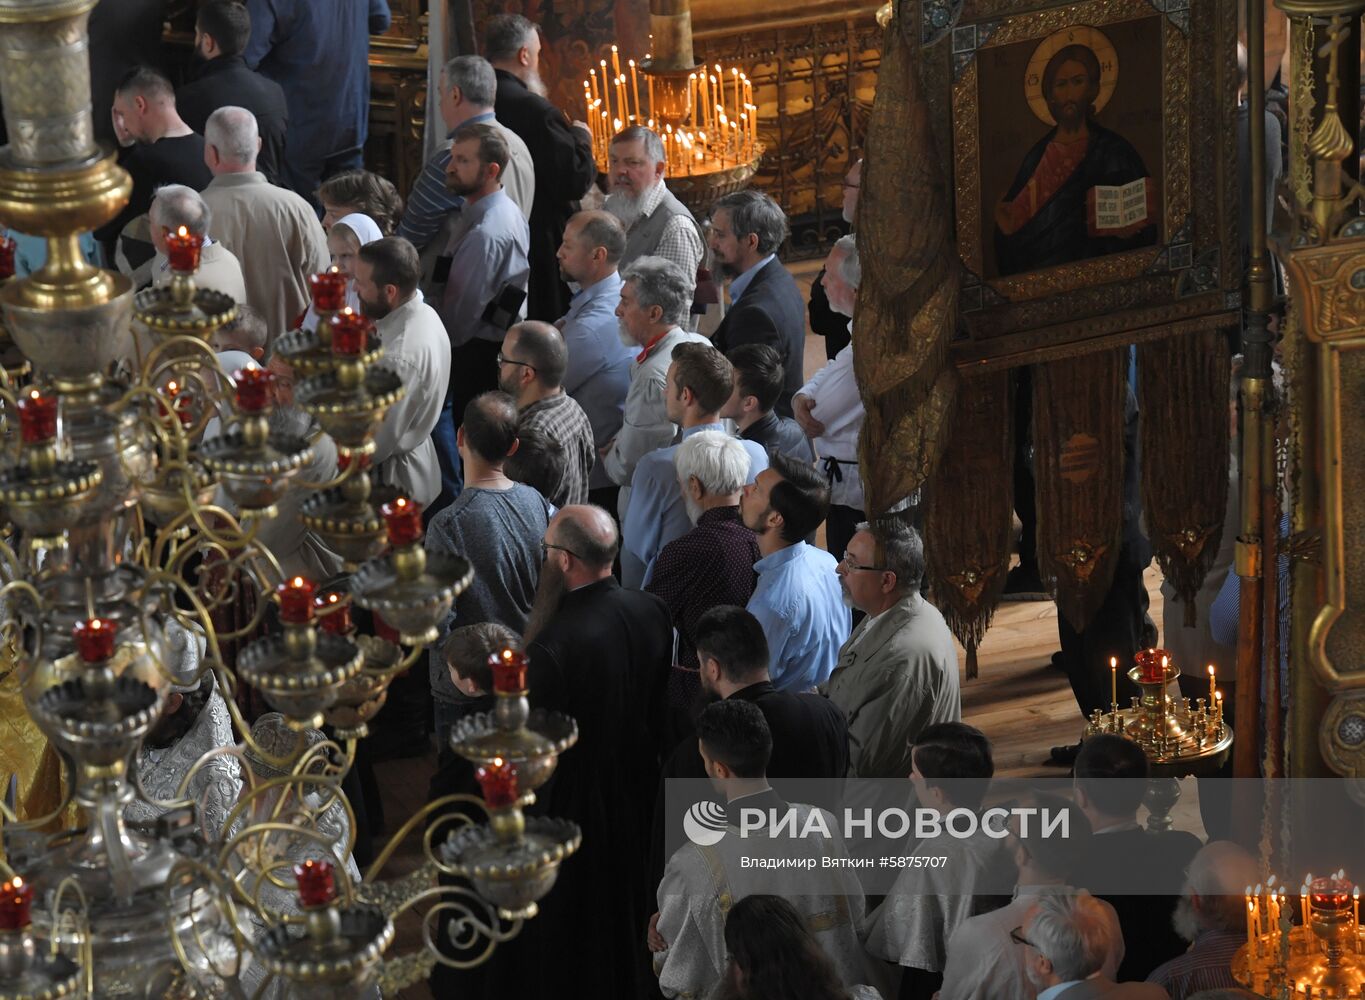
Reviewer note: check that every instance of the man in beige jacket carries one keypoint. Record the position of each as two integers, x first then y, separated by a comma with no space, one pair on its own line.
273,232
897,673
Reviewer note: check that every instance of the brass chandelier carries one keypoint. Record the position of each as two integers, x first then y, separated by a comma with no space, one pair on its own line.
113,546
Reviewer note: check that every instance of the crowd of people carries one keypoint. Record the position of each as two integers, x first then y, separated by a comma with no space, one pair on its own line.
660,508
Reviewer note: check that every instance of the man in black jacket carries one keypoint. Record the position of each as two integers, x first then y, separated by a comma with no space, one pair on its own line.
562,154
759,378
747,228
1138,871
221,32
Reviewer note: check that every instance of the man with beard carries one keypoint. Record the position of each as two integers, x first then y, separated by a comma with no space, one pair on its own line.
897,673
531,370
1211,915
698,384
747,230
654,300
825,320
486,292
562,153
433,210
222,29
657,224
797,599
598,373
416,347
1048,216
600,654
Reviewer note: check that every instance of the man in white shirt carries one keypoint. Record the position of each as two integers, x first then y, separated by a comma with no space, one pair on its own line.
830,411
417,348
1066,941
274,233
655,297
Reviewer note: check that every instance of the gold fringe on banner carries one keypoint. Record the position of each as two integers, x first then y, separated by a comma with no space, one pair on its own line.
907,301
1183,390
967,542
1078,465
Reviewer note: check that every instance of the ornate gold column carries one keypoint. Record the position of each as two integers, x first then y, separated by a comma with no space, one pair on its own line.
1325,358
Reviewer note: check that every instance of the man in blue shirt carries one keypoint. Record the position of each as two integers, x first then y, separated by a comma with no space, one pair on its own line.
486,292
797,600
318,51
699,382
598,376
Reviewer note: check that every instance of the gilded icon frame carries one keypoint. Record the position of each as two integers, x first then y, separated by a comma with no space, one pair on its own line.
1191,279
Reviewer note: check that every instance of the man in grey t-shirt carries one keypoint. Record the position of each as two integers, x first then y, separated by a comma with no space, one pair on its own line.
496,524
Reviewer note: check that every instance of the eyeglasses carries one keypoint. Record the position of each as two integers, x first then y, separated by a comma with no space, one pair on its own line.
1018,938
852,567
545,548
509,361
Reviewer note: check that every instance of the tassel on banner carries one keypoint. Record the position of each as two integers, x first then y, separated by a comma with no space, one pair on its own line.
967,545
1181,382
1078,464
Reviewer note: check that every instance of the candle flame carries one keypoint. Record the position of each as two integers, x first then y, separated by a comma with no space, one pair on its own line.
1113,663
401,502
296,582
1211,670
506,654
34,394
182,232
334,270
1218,695
17,882
172,387
497,762
332,598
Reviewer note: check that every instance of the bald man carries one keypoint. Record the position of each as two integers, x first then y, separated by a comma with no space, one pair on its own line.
531,368
600,654
273,232
1211,916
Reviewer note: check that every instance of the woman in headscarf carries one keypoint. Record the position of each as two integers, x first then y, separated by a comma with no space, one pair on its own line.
344,240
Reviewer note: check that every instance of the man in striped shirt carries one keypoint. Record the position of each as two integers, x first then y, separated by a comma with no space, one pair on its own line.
1211,915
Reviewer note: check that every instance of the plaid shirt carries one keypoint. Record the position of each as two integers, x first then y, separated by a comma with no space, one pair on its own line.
1206,966
679,242
561,419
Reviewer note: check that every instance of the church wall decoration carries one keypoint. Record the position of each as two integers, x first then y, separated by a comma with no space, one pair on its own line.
1088,154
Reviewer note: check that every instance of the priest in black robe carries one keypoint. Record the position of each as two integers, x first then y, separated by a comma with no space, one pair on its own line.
1048,216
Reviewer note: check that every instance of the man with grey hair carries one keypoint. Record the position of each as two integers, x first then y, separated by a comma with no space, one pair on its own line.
561,152
468,87
714,562
1067,939
657,224
273,232
1211,915
824,320
531,370
747,230
830,409
177,206
897,672
655,294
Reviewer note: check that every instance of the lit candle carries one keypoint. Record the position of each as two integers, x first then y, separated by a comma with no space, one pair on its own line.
334,615
179,404
1355,914
1212,684
296,600
1253,922
253,389
499,783
350,332
7,248
509,671
635,89
734,73
328,289
403,517
1114,682
615,62
95,639
592,75
316,882
1251,910
182,249
1303,897
16,899
649,78
1218,703
37,417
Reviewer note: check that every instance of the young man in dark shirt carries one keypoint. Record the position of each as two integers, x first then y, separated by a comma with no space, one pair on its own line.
759,378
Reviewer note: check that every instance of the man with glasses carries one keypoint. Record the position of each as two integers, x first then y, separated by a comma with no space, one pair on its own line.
987,953
1067,943
897,673
600,654
531,370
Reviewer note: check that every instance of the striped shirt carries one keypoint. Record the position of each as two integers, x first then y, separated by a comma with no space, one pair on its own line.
1206,966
